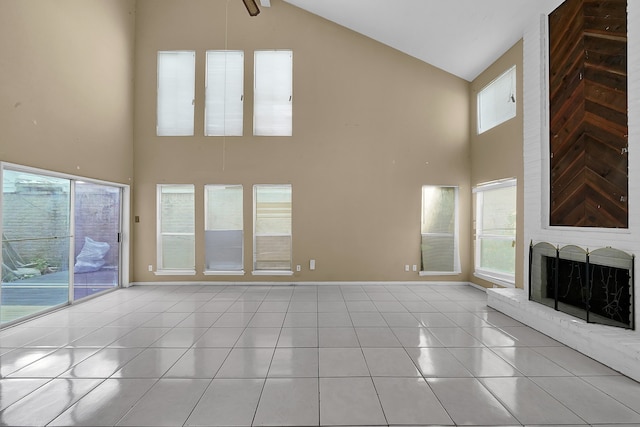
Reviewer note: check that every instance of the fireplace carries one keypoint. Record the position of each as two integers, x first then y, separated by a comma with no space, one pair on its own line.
594,286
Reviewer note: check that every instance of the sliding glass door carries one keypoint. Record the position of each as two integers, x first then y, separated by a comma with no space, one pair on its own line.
97,238
35,243
61,241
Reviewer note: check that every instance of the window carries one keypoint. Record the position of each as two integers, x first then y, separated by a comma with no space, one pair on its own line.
176,249
497,101
439,230
223,229
273,93
176,93
272,229
224,93
495,254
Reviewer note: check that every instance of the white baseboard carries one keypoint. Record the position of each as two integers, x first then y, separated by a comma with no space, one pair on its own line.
336,283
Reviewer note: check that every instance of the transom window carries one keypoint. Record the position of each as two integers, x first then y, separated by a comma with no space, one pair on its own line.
497,101
273,93
176,93
224,93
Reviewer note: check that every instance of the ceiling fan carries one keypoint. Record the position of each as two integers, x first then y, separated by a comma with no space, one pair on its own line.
252,7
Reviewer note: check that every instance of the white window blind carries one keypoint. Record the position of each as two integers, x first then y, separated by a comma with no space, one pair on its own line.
223,228
439,230
176,227
224,93
273,93
497,101
176,93
495,252
272,228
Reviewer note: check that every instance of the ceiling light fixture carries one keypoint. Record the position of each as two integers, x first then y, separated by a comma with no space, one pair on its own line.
252,7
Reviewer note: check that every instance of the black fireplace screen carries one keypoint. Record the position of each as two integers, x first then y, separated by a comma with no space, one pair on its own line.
594,286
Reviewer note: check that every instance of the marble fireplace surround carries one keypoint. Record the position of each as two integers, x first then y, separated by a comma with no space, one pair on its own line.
615,347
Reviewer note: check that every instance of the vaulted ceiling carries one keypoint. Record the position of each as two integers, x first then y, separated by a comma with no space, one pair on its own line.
462,37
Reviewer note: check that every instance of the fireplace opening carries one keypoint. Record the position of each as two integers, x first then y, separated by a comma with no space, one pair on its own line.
594,286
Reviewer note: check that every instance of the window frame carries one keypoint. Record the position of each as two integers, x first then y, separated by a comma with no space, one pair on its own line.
263,272
207,270
499,277
456,233
160,268
510,73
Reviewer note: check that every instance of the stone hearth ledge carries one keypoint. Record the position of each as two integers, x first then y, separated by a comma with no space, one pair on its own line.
617,348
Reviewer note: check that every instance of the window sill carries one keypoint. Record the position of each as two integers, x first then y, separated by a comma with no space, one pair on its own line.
507,283
175,273
439,273
272,273
224,273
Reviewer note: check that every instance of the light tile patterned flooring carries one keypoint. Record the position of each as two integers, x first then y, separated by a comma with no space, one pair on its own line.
200,355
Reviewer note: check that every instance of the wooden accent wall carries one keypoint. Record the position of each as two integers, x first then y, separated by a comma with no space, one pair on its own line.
588,114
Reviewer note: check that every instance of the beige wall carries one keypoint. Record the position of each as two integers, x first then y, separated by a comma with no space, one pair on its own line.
497,153
371,126
66,86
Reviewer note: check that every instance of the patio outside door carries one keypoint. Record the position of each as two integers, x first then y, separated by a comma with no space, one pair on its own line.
35,243
51,257
97,238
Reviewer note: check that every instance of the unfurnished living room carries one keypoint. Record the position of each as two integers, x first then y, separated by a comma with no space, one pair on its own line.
329,213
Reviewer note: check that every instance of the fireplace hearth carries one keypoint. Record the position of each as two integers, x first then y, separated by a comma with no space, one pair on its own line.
594,286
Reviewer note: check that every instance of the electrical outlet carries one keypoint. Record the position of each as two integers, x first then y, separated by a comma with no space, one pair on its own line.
415,267
406,267
150,267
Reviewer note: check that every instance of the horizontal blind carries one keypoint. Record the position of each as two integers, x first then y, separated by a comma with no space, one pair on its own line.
272,227
224,93
176,93
223,227
273,93
176,227
496,228
439,242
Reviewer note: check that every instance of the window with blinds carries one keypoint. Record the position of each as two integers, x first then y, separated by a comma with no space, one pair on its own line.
223,228
439,230
272,250
497,101
495,246
273,93
224,93
176,93
176,229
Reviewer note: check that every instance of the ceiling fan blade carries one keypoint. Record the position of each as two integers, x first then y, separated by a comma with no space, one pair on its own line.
252,7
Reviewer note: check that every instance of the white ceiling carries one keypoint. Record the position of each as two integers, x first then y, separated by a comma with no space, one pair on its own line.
462,37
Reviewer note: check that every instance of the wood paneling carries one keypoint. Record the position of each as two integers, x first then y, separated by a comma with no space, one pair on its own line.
588,114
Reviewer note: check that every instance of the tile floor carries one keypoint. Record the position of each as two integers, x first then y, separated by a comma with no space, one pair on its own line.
197,355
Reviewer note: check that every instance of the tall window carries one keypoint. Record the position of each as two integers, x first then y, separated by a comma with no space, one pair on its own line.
223,229
495,254
273,93
176,242
497,101
439,230
224,93
272,229
176,93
